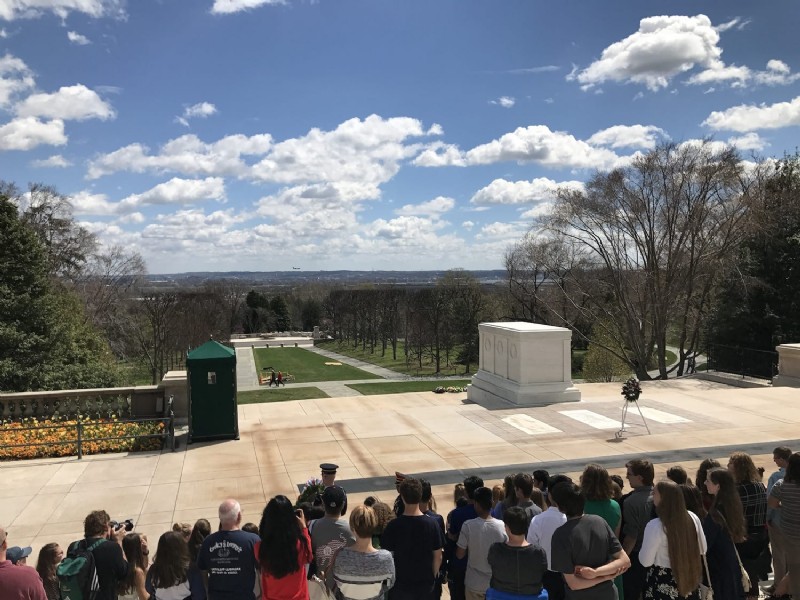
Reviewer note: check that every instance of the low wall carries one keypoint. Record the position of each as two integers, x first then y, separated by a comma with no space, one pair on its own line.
788,366
137,401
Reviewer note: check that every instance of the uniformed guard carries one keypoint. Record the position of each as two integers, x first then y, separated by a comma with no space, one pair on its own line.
329,479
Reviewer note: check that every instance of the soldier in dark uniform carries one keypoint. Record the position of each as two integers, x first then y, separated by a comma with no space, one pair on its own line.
329,479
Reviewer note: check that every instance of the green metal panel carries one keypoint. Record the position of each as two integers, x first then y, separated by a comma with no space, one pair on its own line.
212,392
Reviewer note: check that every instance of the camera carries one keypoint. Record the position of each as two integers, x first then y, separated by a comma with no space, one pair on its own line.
127,524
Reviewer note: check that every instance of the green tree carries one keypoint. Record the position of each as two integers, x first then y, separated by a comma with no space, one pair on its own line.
45,340
283,321
600,364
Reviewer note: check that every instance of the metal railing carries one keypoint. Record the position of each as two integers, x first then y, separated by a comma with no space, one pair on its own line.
167,436
747,362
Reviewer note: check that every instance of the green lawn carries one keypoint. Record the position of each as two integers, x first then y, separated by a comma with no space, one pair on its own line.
134,373
306,366
280,395
399,387
398,365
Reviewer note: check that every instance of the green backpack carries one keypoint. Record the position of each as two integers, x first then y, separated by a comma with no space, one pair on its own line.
77,575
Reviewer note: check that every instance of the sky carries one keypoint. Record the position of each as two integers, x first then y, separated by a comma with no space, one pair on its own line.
263,135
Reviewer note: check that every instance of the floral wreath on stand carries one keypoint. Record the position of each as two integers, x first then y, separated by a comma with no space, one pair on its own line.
631,389
313,488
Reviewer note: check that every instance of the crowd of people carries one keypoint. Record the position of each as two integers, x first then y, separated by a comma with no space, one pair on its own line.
536,536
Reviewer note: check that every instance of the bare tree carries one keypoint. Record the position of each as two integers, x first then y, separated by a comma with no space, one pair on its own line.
643,249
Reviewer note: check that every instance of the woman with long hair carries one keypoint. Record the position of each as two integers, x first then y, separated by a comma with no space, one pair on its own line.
700,480
360,572
672,547
785,495
283,552
724,525
509,497
134,546
49,556
169,578
753,494
200,531
597,486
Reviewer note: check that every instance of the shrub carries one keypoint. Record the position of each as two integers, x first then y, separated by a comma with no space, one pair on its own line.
64,430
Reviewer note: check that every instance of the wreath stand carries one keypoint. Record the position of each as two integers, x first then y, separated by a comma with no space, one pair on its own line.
625,407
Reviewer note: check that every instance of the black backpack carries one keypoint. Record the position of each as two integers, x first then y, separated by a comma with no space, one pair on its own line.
77,575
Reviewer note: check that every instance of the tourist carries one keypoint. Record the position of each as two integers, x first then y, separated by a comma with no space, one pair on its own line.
137,555
250,528
383,514
753,494
105,544
184,529
636,512
518,567
702,476
508,500
283,550
360,571
18,582
457,568
677,474
427,506
724,525
416,543
227,557
672,547
596,485
200,531
171,577
49,556
460,495
785,496
585,550
476,537
331,532
523,492
19,556
780,456
540,533
540,481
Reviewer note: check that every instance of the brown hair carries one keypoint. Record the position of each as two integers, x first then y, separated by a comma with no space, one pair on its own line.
643,468
497,494
363,521
47,562
682,537
783,452
743,468
727,507
96,524
595,483
183,528
459,491
538,498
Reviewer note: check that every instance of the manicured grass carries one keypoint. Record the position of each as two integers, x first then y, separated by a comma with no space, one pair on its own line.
306,366
134,373
399,387
399,365
280,395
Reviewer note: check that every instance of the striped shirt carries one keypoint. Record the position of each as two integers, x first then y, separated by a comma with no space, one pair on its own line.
789,495
363,575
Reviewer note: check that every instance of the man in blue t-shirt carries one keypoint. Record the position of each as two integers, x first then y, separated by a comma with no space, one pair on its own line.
227,557
457,567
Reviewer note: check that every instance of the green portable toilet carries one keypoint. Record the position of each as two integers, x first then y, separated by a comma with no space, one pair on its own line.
211,379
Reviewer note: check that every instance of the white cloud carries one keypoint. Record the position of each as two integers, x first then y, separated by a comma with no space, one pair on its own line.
628,136
186,154
404,228
440,154
501,230
368,151
78,39
437,206
537,143
56,161
748,141
200,110
663,47
226,7
549,100
750,118
528,70
75,102
15,78
26,9
174,191
3,33
777,73
501,191
468,225
504,101
29,132
542,209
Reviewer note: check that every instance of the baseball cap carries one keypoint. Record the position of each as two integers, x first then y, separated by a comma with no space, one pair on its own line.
333,497
15,553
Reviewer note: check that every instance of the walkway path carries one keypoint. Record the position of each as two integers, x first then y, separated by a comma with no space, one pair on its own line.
246,375
364,366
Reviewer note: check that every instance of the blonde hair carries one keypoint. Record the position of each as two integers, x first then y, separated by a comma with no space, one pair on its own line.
363,521
743,468
183,528
682,538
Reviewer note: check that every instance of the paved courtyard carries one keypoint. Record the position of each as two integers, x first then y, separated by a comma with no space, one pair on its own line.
442,436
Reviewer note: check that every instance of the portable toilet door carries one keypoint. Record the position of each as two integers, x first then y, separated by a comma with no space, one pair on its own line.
211,379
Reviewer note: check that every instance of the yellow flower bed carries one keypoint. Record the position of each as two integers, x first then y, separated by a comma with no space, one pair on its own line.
12,432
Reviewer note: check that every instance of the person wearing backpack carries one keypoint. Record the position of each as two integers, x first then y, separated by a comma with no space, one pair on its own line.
17,582
94,566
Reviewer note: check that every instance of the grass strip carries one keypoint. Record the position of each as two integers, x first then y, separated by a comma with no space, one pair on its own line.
306,366
280,395
399,387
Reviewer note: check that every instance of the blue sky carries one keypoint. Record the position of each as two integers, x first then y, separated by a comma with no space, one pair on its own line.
336,134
